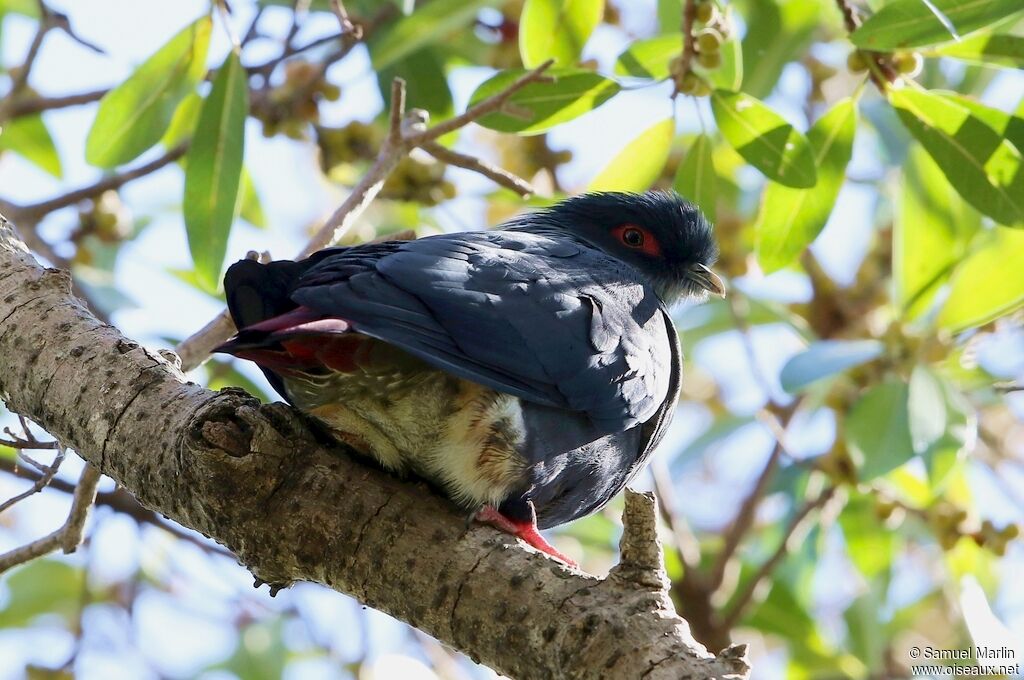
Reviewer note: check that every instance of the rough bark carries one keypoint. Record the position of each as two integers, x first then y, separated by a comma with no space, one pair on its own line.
294,508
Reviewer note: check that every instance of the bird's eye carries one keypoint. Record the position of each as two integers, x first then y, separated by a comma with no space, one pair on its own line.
633,237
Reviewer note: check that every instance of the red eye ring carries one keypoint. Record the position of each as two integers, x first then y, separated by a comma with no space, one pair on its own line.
636,237
633,237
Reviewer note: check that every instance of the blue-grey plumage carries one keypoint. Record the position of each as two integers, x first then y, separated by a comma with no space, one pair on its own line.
532,369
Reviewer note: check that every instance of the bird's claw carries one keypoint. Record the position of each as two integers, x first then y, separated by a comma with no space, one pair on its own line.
526,531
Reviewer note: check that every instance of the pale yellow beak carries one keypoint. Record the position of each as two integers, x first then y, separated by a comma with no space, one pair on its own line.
708,280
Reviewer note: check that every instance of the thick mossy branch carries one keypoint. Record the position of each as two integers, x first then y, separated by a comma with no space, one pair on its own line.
255,478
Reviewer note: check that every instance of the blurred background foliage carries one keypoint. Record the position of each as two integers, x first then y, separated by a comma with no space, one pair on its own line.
845,477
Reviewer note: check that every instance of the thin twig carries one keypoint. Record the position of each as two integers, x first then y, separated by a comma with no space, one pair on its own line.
347,26
743,600
686,541
69,535
34,212
744,517
689,45
479,110
28,106
45,478
19,78
492,172
405,133
122,502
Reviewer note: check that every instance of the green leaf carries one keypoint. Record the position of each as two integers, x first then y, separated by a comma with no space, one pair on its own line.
41,587
878,430
698,322
183,122
942,423
426,84
250,207
430,23
28,137
556,29
640,162
988,284
914,23
650,58
764,138
871,548
784,31
213,169
790,219
986,49
542,105
134,115
826,358
931,230
28,8
695,179
670,15
980,164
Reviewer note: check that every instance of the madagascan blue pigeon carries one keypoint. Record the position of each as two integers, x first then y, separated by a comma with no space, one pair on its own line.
528,371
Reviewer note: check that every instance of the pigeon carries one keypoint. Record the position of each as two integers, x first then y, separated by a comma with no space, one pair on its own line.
527,372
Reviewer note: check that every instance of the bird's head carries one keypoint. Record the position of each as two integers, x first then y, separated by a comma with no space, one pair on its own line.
658,232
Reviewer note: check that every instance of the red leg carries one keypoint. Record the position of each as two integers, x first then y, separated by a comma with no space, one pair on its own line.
527,531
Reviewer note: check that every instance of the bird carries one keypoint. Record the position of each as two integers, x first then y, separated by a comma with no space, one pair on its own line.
527,372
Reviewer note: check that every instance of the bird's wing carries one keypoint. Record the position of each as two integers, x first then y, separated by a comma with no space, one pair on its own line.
547,320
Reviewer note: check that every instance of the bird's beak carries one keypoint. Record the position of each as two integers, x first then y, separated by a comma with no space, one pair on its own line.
707,279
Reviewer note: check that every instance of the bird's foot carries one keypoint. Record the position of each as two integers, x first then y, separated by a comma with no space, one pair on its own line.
527,531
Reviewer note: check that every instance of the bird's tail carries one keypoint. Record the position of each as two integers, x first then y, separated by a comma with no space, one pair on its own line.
273,330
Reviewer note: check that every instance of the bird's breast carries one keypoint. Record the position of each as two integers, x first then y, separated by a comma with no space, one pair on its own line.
413,418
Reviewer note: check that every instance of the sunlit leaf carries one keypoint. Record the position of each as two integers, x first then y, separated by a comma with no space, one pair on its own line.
650,58
790,219
986,48
134,115
987,284
764,138
870,547
542,105
670,15
980,164
556,29
784,30
41,587
250,207
28,137
640,162
431,22
213,169
878,430
696,179
183,122
931,230
825,358
914,23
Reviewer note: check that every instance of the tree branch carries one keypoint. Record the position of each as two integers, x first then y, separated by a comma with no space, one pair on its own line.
746,596
69,535
46,476
122,502
257,480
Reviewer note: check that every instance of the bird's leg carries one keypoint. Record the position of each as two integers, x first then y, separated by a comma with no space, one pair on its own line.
525,530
